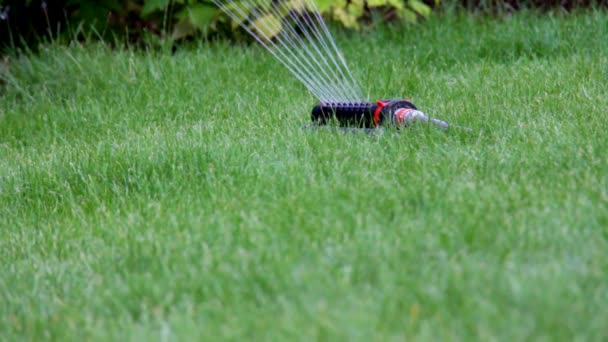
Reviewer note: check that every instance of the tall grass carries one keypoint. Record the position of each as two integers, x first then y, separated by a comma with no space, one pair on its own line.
145,195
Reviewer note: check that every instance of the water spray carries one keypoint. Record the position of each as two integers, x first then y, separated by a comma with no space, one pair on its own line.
294,32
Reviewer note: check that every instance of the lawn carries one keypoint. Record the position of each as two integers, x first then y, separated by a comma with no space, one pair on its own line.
150,196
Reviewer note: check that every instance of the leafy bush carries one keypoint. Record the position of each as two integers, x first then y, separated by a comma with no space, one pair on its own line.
31,20
351,12
205,17
24,22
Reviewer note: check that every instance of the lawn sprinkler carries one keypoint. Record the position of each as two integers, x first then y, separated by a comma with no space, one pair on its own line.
294,32
401,113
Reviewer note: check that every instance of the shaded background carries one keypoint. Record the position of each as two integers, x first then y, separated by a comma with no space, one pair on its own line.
26,23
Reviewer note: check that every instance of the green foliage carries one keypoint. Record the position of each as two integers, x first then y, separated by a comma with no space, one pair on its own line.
177,19
203,15
27,22
350,13
193,17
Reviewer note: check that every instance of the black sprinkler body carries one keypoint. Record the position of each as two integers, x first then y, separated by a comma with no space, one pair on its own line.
371,114
359,114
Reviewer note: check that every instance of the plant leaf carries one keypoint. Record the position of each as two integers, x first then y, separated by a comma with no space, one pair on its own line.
378,3
355,8
324,5
348,20
297,6
419,7
154,5
397,4
408,15
267,26
182,29
201,15
240,10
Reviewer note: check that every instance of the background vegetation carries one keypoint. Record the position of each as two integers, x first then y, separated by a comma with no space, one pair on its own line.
146,21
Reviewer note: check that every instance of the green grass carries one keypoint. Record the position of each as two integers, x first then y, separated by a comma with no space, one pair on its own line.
145,196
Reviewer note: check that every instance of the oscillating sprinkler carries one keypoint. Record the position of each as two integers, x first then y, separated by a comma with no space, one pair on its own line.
370,115
294,32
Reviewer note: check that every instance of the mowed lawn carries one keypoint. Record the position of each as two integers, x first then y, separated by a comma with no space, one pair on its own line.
148,196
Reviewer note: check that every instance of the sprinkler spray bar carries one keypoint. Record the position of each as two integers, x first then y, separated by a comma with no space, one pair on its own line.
370,115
